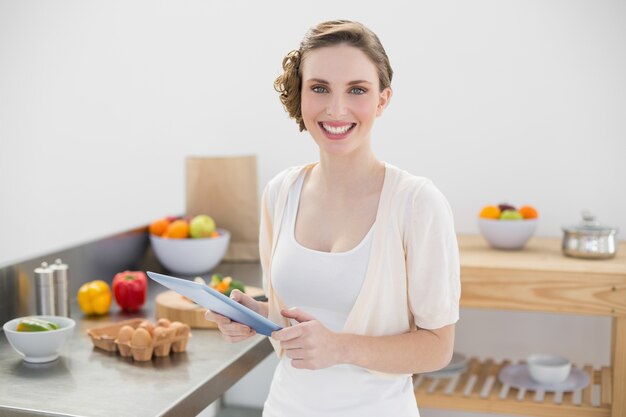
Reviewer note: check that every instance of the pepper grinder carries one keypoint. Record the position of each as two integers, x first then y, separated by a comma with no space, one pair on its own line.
44,290
60,279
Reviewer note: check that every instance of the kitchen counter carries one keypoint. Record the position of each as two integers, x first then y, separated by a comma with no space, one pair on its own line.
90,382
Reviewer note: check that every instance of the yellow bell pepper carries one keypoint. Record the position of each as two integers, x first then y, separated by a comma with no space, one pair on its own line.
95,297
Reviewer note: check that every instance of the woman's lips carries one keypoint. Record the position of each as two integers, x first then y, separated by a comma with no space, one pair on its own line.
336,130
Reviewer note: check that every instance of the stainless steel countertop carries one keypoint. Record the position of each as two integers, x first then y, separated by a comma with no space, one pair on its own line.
86,381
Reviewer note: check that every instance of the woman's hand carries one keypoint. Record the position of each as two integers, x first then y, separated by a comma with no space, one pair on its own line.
308,344
231,330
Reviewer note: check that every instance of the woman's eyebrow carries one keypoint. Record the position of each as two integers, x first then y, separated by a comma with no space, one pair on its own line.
320,81
317,80
359,82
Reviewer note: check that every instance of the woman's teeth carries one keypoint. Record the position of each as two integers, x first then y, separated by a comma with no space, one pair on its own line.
337,130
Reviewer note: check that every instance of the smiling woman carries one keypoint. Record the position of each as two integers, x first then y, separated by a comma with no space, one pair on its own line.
340,97
330,33
360,259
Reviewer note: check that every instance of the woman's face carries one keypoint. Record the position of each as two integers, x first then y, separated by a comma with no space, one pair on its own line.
340,97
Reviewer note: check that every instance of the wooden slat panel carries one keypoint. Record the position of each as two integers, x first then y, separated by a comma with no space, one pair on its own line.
588,391
549,397
606,386
497,386
618,353
491,384
472,368
511,404
483,372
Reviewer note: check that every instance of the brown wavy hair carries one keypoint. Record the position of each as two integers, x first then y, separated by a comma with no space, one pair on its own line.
330,33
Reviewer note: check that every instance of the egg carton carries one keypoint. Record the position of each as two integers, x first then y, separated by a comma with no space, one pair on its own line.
168,340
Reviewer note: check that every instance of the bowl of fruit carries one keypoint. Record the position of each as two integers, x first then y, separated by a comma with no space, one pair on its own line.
39,338
188,246
506,227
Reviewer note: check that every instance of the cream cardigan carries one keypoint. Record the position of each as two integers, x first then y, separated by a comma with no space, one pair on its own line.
413,275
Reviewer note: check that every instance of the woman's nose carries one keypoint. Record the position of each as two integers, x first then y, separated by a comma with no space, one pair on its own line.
336,107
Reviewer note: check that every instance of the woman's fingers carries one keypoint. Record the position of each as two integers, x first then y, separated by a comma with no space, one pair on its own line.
295,353
245,299
231,330
218,318
235,329
235,339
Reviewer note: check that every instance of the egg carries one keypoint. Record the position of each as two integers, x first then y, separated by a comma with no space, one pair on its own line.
181,328
147,325
141,338
163,322
160,333
125,334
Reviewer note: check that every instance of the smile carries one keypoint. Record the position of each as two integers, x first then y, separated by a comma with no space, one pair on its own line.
337,130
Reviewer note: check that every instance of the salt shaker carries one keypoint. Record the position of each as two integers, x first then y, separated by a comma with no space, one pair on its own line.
60,280
44,290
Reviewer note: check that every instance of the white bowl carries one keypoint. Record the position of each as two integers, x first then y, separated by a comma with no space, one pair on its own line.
193,256
507,234
39,347
548,369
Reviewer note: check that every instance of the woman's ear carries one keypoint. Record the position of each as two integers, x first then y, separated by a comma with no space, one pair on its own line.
383,101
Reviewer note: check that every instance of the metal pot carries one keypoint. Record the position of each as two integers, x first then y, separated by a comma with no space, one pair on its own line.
589,239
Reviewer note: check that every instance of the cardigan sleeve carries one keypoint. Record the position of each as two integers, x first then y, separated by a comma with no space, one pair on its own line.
432,259
265,236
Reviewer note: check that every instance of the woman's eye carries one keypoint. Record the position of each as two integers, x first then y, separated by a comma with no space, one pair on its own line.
358,91
319,89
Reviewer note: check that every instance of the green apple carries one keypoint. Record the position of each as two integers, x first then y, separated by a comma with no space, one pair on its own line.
511,215
201,226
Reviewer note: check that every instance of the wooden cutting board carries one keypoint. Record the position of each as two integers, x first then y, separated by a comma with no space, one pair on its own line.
175,307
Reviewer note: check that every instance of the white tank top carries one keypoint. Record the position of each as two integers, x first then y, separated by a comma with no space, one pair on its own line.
326,286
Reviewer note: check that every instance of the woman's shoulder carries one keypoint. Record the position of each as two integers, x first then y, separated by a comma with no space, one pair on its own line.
283,179
285,175
405,184
410,190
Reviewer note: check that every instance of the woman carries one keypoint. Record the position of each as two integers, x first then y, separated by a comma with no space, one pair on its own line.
360,259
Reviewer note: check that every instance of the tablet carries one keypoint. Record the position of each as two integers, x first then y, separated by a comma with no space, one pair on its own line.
218,302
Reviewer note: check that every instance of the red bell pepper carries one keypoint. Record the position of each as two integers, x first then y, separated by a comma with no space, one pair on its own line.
130,288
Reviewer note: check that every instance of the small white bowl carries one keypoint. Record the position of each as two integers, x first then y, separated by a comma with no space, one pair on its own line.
192,256
548,369
507,234
38,347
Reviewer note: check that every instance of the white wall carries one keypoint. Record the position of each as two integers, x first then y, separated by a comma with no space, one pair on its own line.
100,103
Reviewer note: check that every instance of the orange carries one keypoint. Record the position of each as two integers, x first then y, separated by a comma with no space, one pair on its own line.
158,227
490,212
215,233
178,229
528,212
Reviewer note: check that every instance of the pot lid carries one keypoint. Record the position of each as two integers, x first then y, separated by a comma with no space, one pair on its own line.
590,226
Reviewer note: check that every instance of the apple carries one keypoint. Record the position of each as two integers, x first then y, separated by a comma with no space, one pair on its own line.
511,215
201,226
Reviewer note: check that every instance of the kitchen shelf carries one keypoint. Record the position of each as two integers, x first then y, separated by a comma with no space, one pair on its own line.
538,279
478,389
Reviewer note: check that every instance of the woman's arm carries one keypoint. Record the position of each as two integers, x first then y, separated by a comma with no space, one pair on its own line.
310,345
418,351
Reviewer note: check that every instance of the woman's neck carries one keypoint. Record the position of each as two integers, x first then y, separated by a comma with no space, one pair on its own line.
359,172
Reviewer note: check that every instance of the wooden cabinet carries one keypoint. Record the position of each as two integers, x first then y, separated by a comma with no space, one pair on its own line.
538,278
